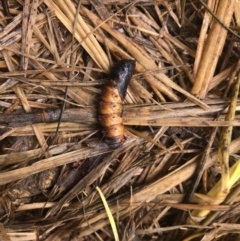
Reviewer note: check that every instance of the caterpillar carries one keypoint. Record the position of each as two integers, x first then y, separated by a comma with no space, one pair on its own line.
110,103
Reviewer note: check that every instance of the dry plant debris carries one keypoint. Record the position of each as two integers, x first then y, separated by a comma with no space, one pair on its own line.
176,176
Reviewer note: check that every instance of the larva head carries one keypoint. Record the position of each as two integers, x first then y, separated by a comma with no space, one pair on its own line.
121,75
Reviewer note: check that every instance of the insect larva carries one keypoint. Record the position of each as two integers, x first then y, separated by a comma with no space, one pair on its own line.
110,104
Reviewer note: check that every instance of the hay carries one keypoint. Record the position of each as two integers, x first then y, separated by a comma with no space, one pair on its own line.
176,175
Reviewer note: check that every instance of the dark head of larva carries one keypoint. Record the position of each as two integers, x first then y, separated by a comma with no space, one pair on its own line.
121,75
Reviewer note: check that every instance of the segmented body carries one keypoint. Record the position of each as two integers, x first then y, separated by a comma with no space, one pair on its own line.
110,105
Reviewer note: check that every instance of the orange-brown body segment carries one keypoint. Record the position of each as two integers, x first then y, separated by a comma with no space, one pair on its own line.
110,116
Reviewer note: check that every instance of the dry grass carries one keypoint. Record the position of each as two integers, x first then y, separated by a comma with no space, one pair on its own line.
176,175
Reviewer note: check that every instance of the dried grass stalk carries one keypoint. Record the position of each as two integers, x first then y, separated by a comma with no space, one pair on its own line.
225,139
82,34
213,48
